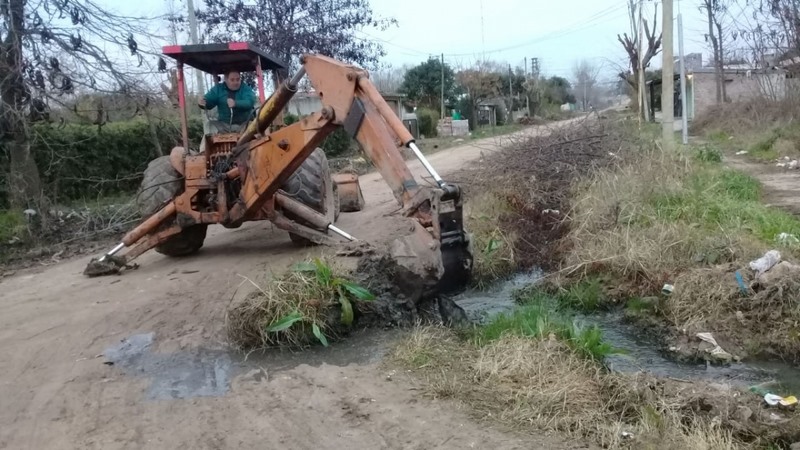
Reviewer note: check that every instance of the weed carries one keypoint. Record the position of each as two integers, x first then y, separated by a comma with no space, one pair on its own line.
718,136
539,318
639,305
763,148
309,300
708,153
12,226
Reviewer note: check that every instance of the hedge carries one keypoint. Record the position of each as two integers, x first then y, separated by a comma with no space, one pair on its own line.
84,161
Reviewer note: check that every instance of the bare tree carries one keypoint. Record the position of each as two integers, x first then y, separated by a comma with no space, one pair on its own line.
388,78
288,28
715,10
50,50
650,45
585,76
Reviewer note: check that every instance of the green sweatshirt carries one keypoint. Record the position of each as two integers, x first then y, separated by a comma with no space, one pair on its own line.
245,102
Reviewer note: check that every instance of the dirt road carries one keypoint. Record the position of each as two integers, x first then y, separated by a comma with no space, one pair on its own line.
781,186
172,384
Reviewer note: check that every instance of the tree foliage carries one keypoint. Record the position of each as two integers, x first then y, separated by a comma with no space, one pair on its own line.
423,83
288,28
557,91
49,50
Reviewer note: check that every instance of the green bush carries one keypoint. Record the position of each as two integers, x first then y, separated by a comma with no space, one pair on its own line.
427,119
337,143
84,161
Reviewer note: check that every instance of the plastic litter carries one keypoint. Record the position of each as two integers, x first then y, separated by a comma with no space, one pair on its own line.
775,400
772,399
717,351
741,152
786,238
766,262
667,289
742,286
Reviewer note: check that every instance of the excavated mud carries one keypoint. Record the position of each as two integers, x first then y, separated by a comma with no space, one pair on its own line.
403,298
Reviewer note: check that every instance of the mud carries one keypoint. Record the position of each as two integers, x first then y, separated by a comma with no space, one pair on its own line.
403,298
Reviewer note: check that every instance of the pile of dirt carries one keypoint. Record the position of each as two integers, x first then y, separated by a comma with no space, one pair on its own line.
534,176
761,318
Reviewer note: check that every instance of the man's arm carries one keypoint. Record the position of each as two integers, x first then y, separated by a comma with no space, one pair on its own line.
247,100
209,101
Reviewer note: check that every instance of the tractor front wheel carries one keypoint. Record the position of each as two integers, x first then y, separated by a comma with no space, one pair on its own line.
311,184
160,184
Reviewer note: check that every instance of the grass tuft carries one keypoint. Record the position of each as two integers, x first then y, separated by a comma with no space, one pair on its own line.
306,304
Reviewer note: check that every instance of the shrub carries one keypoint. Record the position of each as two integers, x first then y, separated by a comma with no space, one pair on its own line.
337,143
79,161
428,119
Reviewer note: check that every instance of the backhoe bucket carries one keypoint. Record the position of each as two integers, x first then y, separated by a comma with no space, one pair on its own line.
351,198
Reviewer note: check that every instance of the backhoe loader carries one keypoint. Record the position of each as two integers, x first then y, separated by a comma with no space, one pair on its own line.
274,172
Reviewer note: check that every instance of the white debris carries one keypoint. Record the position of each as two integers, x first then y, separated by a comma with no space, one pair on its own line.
742,152
793,164
29,213
551,211
766,262
717,351
786,238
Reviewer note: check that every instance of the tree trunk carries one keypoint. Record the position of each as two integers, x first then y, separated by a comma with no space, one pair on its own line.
715,47
721,63
24,185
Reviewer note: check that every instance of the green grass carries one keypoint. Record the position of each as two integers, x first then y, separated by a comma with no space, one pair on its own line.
639,305
12,225
725,200
763,149
540,318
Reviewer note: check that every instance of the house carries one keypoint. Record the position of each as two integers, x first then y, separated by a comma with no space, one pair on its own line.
305,103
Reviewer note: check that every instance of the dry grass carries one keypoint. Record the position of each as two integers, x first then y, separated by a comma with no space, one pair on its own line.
768,318
735,118
493,247
540,385
665,213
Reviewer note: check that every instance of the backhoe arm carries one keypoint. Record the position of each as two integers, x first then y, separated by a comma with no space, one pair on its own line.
350,100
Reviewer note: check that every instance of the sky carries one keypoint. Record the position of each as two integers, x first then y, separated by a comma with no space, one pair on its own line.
558,33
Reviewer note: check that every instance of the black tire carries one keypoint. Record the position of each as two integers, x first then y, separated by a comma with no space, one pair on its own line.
160,184
312,185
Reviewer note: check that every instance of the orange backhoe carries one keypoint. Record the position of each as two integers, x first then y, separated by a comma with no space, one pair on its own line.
277,173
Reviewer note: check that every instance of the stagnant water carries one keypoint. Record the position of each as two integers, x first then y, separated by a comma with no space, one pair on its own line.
639,352
201,372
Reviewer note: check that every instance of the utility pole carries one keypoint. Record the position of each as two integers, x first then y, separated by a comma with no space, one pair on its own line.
667,77
528,86
684,112
442,116
195,40
510,87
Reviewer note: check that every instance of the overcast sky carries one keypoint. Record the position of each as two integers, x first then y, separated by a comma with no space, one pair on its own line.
558,32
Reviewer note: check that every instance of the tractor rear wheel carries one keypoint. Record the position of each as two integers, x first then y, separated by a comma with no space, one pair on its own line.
160,184
311,184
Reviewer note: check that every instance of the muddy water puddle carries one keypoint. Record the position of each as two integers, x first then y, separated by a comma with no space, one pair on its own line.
196,373
208,373
637,351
